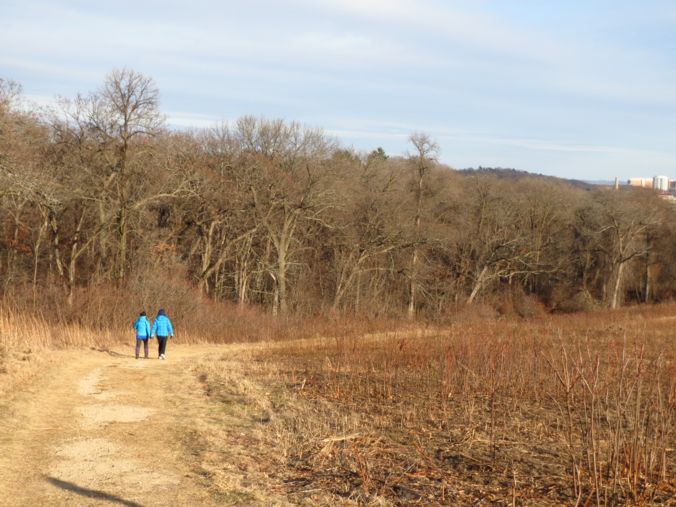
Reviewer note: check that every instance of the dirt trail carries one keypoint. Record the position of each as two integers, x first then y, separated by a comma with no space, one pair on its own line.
101,428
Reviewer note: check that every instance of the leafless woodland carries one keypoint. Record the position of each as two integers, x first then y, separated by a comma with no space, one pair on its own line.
100,193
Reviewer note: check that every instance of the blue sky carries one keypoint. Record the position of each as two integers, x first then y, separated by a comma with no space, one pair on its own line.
571,88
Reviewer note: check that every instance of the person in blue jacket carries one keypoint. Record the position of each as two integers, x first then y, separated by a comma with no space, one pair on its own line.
142,328
163,330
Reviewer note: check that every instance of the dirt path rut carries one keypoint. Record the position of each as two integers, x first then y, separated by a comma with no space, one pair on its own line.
101,428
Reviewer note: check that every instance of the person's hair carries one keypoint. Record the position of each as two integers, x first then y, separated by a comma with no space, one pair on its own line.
143,314
162,312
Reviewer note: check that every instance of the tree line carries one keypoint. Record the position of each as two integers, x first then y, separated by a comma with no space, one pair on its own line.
99,192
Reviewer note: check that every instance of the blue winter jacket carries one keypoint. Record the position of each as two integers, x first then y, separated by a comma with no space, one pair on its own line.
162,327
142,327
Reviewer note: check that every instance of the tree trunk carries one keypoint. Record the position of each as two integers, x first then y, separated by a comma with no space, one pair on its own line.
242,285
243,260
122,228
478,285
282,243
281,281
275,296
617,286
648,275
413,288
346,275
36,254
55,245
74,254
413,285
205,272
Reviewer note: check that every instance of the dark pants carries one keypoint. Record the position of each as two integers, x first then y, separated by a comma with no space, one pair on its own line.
161,344
145,347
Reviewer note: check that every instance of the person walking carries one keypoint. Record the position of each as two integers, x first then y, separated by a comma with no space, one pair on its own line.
163,329
142,327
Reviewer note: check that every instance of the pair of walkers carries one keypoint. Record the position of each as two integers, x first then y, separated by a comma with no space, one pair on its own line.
161,328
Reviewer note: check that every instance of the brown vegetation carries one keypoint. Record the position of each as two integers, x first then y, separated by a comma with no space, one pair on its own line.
100,194
545,411
576,411
264,230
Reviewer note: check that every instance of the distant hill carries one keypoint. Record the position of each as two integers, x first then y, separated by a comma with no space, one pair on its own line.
516,174
604,182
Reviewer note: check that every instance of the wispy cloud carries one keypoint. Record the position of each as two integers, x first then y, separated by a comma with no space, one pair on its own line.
472,28
530,144
191,120
39,66
528,83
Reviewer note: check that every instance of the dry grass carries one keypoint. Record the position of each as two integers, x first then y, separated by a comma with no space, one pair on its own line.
575,410
102,320
24,338
100,316
230,445
22,342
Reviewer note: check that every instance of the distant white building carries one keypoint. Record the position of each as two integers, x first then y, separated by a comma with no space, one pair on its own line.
641,182
661,183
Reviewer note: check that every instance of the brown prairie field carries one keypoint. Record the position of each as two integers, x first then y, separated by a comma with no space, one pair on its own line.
558,410
570,410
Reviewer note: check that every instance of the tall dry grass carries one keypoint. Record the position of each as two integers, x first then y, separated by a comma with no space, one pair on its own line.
24,339
575,410
26,331
103,316
559,409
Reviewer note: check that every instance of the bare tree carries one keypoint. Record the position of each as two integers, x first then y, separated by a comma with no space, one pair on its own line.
290,169
367,232
613,231
274,213
426,153
123,113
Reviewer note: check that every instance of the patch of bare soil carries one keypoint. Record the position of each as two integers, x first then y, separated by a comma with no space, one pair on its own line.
96,415
98,463
101,428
